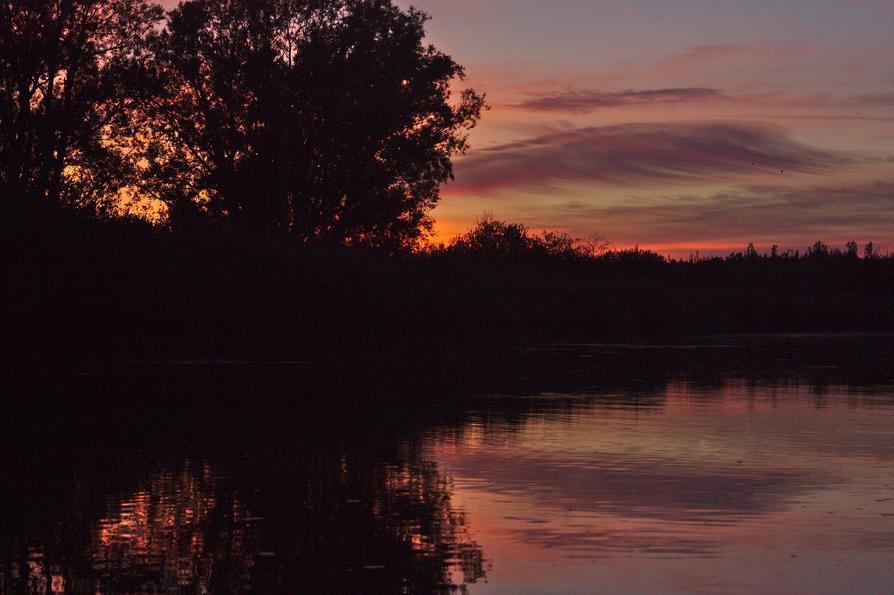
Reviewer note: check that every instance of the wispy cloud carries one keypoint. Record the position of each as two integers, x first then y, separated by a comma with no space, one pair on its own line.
634,155
587,100
704,57
582,101
754,213
882,99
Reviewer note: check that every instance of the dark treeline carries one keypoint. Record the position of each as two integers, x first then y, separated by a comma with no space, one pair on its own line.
256,177
162,295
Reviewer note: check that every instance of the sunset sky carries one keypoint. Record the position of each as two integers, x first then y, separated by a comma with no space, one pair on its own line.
669,123
677,125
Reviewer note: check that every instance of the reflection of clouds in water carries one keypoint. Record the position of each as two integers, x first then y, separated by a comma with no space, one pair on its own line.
587,543
618,485
713,463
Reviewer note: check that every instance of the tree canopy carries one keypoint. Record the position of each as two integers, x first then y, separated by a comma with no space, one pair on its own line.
323,119
65,95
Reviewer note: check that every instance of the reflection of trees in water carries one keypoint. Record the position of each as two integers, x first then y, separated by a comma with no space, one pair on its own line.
177,531
364,523
438,533
709,367
334,524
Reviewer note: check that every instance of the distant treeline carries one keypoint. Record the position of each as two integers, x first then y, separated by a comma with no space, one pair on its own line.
494,238
123,288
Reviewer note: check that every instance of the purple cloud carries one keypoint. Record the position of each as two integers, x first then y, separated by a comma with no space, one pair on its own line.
591,99
635,155
874,99
754,213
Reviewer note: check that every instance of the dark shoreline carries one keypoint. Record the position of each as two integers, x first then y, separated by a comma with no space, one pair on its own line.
97,291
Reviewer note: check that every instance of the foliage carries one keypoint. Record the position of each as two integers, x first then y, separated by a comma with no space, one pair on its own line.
65,92
327,120
493,237
324,119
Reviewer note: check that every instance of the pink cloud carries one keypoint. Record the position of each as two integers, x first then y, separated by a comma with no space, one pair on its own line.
708,56
633,155
587,100
796,216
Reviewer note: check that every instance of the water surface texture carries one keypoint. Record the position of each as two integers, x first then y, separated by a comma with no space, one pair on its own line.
724,466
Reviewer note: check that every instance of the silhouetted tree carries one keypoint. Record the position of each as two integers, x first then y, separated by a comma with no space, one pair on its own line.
819,251
65,68
751,252
869,251
491,237
494,237
326,119
563,245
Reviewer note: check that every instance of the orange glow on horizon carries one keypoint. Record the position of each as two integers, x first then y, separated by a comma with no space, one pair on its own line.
449,228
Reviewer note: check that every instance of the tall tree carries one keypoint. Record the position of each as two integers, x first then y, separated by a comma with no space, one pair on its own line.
64,94
321,118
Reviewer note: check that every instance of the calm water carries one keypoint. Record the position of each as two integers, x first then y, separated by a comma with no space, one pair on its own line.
729,466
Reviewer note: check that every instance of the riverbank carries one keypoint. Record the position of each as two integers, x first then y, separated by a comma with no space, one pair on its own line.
125,290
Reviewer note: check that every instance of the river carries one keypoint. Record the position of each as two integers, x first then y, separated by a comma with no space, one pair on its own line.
724,465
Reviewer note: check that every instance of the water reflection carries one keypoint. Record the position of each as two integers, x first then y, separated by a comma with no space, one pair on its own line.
349,528
166,535
725,467
175,496
723,484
